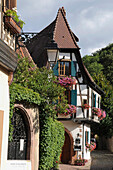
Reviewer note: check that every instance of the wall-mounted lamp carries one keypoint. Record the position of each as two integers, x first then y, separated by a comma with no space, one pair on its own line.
52,52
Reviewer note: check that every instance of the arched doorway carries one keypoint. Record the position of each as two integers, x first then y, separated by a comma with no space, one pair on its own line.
19,146
67,150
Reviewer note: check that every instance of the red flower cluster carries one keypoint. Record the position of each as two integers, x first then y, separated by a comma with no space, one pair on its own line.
100,113
66,81
86,106
91,146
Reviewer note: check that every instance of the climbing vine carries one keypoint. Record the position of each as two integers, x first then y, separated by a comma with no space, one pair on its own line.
36,86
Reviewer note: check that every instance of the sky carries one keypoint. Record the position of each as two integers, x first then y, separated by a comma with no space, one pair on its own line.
90,20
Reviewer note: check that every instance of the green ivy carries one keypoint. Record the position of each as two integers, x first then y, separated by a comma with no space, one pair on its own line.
52,140
37,86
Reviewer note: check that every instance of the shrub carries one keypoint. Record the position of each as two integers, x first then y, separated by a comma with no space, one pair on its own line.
52,140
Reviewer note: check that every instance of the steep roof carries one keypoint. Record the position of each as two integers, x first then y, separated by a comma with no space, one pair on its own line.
59,31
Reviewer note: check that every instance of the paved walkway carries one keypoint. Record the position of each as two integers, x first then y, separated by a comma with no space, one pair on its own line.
101,160
72,167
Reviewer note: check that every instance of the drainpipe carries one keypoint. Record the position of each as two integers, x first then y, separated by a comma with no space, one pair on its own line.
83,143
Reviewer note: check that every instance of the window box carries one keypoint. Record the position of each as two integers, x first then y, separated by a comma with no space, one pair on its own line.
12,25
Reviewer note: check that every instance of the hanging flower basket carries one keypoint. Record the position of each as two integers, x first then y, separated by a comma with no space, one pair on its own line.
86,106
100,113
91,146
69,110
66,81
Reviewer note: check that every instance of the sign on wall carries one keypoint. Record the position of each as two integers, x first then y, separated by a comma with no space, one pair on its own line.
19,165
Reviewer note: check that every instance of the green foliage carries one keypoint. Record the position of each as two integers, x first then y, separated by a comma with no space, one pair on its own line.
13,14
100,66
21,94
37,86
103,59
52,140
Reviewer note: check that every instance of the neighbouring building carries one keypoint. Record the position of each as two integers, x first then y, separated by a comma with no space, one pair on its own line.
23,151
58,36
8,63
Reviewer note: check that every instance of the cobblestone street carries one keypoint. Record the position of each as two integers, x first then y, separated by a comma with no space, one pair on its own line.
101,160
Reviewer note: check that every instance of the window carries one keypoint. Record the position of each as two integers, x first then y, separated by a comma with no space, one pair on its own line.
19,146
93,100
64,68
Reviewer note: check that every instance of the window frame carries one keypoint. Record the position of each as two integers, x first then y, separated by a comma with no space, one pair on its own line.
64,70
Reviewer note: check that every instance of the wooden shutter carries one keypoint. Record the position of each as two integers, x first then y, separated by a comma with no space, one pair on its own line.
73,68
98,102
87,137
1,131
55,69
74,97
93,100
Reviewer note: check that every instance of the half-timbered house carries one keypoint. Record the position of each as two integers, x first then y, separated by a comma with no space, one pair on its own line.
58,35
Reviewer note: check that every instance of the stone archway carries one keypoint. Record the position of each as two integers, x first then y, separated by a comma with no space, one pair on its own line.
67,150
19,146
29,118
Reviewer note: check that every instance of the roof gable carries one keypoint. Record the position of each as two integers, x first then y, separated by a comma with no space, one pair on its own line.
63,35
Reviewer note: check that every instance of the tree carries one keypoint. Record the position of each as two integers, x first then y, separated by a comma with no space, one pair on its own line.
37,85
100,66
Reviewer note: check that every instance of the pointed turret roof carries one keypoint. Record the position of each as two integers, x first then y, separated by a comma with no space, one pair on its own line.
59,31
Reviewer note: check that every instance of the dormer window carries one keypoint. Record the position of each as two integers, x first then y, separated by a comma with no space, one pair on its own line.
64,67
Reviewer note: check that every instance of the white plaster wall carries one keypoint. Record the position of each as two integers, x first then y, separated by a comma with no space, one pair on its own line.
86,151
74,129
0,17
73,57
84,89
79,113
79,101
4,105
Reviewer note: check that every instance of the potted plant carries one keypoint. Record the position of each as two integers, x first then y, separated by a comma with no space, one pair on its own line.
13,21
86,106
80,162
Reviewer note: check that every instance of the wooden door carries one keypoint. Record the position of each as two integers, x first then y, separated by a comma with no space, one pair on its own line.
66,150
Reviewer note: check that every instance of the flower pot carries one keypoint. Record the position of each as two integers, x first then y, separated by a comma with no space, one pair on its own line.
12,25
